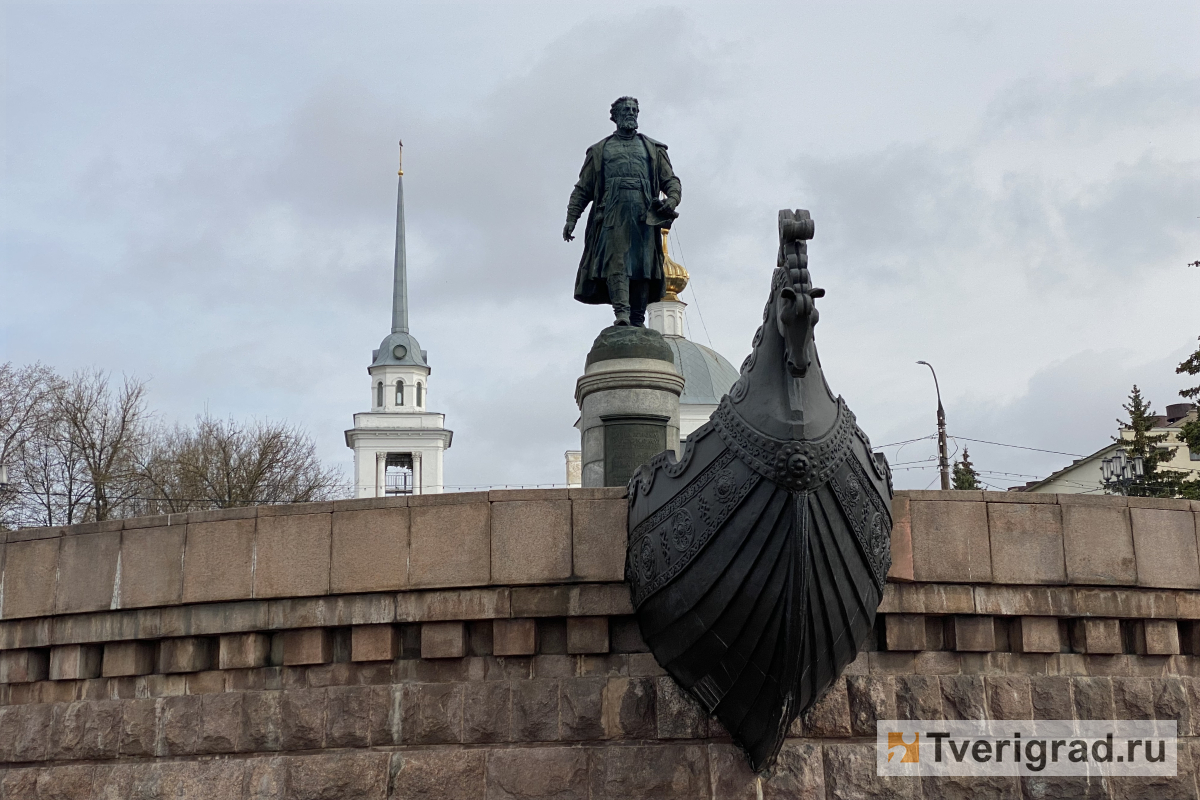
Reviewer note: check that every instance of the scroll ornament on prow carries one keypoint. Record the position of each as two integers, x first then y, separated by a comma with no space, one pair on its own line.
796,312
757,560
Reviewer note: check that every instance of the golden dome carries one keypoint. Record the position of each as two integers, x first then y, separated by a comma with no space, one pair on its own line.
674,273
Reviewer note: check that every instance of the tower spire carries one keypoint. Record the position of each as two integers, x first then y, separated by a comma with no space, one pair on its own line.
400,281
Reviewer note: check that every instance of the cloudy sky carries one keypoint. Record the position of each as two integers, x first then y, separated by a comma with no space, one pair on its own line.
203,195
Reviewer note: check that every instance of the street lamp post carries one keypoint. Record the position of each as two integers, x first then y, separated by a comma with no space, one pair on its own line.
1120,472
943,460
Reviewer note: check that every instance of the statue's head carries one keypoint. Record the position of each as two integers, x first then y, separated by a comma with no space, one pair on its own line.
624,112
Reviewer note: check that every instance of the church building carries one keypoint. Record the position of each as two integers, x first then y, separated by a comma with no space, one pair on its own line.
398,444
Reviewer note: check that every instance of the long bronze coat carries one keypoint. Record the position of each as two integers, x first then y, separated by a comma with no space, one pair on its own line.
590,284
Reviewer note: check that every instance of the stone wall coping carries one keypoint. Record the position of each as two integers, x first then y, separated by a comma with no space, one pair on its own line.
535,539
505,495
1034,539
323,507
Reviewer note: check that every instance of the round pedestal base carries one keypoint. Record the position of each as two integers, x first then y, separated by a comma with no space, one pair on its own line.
629,404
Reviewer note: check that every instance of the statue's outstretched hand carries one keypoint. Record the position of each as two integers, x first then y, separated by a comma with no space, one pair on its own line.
568,229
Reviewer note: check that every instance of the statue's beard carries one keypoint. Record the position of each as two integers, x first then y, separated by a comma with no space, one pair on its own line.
627,124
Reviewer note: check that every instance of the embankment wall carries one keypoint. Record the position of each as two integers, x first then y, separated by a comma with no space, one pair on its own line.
481,645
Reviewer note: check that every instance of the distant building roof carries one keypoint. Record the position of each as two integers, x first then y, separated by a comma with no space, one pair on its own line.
1061,481
1084,474
707,376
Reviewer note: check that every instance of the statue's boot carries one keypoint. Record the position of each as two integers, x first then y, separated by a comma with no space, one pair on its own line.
618,295
639,293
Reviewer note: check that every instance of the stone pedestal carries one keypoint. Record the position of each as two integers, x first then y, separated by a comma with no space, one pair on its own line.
628,400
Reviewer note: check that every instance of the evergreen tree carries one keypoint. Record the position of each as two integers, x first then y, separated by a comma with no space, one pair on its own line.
1155,481
965,476
1190,432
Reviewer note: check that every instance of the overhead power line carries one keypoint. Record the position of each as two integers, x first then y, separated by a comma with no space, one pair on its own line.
981,441
1008,474
692,286
906,441
1020,447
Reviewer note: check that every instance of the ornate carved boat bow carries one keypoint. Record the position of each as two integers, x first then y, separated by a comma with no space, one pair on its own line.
757,560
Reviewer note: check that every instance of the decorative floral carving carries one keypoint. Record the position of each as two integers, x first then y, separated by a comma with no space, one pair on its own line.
726,486
880,541
647,562
682,529
665,529
867,515
853,490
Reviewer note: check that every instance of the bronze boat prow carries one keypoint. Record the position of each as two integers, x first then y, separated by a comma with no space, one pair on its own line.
757,560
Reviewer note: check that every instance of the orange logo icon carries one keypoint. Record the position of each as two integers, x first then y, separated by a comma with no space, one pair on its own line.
911,750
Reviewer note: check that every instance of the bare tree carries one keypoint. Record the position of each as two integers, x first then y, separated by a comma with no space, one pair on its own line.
51,486
85,448
108,427
223,464
26,404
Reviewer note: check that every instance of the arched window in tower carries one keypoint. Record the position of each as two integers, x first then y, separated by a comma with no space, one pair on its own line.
399,393
420,394
379,395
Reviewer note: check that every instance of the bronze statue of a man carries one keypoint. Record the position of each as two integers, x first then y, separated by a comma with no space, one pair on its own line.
627,177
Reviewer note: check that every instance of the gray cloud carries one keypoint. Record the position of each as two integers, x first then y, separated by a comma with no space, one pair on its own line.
210,202
1085,110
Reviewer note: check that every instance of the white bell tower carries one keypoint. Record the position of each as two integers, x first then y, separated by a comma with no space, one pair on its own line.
398,444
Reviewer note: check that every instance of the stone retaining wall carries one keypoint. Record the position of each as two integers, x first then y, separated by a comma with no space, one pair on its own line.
482,646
